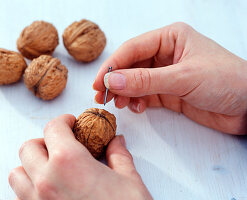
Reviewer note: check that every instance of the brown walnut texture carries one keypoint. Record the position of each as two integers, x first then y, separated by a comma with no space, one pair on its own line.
95,128
84,40
46,77
12,66
39,38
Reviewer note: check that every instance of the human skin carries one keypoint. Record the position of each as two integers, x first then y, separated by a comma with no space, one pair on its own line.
178,68
173,67
59,167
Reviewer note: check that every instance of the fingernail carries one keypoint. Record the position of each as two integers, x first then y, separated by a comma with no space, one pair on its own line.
122,140
136,107
115,100
115,81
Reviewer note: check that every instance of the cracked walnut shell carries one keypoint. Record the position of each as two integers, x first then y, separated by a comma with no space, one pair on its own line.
39,38
12,66
84,40
46,77
95,128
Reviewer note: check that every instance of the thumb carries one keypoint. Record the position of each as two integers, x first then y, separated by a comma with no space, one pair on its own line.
147,81
119,159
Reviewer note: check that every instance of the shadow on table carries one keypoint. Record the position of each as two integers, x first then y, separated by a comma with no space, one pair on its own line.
25,103
75,98
161,185
204,153
243,141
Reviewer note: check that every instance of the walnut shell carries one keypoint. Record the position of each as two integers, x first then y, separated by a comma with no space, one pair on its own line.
46,77
95,128
39,38
84,40
12,66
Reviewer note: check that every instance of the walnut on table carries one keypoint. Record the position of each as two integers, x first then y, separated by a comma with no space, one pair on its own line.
39,38
95,128
12,66
46,77
84,40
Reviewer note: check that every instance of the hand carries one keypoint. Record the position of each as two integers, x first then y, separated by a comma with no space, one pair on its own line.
180,69
59,167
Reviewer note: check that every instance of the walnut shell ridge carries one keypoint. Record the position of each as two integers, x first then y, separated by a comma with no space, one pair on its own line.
95,128
84,40
12,66
39,38
46,77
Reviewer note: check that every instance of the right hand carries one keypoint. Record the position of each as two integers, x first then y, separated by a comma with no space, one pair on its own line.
59,167
180,69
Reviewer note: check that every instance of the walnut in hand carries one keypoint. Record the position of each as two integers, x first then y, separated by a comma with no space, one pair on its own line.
38,39
46,77
95,128
84,40
12,66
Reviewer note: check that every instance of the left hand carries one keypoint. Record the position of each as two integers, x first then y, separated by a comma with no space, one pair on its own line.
59,167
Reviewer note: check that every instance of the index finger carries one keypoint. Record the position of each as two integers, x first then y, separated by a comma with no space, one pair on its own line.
58,132
134,50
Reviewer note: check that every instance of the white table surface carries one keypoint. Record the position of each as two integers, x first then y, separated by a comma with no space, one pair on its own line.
177,158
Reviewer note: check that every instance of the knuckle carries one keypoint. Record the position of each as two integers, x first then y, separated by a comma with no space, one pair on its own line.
24,146
12,175
45,189
142,79
131,45
126,155
181,25
48,126
122,158
62,157
184,73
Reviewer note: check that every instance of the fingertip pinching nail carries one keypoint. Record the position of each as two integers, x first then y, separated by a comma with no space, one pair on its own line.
106,80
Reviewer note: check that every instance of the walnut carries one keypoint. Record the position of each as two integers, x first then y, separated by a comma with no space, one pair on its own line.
12,66
95,128
46,77
38,39
84,40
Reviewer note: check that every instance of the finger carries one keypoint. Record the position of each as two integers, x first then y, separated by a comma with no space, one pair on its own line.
170,102
137,49
119,159
121,102
21,184
165,45
220,122
58,133
177,79
100,97
143,64
33,154
137,105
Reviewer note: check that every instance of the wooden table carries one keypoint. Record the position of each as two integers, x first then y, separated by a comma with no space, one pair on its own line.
177,158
